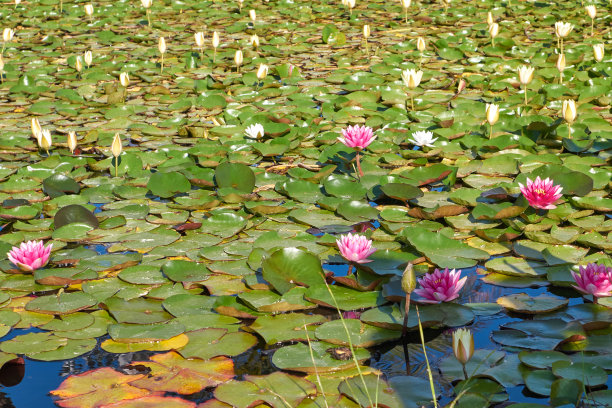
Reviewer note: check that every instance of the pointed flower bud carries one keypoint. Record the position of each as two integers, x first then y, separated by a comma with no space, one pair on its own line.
598,52
89,9
492,111
71,141
199,39
124,78
262,71
463,345
569,111
116,147
408,279
215,40
161,45
421,44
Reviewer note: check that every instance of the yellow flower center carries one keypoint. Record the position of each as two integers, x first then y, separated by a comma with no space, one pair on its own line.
540,191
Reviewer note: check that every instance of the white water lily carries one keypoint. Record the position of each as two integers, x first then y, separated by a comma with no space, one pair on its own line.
88,58
423,138
463,345
262,71
146,3
89,9
199,39
124,78
44,140
525,74
492,111
598,52
412,77
253,15
255,131
421,44
254,41
7,34
563,29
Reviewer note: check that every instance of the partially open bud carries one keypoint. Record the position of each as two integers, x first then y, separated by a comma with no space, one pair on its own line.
421,44
408,279
598,52
146,3
492,111
591,11
561,62
525,74
36,128
72,141
406,3
255,40
463,345
124,78
7,34
569,111
494,30
44,139
490,19
262,71
78,65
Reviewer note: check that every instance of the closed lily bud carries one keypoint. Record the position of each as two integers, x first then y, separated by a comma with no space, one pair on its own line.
253,15
406,3
161,45
17,2
494,30
562,29
88,58
463,345
7,34
89,9
490,18
525,74
351,4
262,71
255,40
569,111
215,40
78,65
124,78
72,141
408,279
146,3
561,62
199,39
238,57
116,147
44,139
591,11
598,52
366,30
492,111
412,77
421,44
36,128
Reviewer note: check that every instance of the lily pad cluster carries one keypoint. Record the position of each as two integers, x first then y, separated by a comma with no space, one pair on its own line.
200,243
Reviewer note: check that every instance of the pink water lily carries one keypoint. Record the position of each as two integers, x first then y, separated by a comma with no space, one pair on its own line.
355,248
358,138
30,255
594,280
541,193
440,286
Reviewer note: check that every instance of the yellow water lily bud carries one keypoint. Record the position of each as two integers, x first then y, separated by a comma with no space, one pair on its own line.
591,11
598,52
561,62
492,111
525,74
238,58
89,9
44,139
7,34
161,45
78,65
88,57
262,71
366,30
463,345
215,40
72,141
124,78
569,111
421,44
116,147
199,39
494,30
254,40
412,77
490,19
253,15
36,128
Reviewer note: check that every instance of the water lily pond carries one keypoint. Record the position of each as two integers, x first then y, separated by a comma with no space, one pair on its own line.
215,204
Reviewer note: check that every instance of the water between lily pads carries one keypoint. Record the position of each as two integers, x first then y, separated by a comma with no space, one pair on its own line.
41,377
